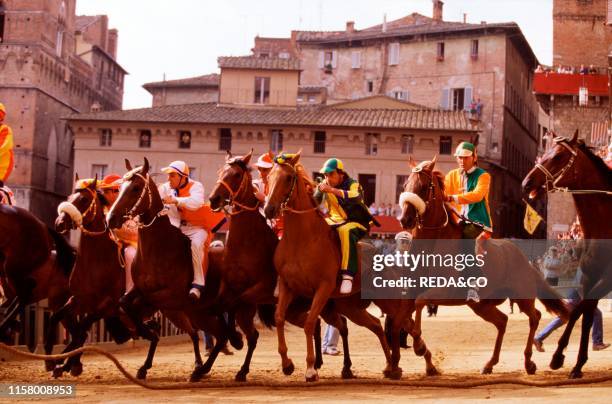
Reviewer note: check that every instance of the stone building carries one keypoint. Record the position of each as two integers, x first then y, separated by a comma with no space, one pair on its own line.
53,64
191,90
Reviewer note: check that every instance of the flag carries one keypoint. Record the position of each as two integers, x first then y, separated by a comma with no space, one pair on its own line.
6,152
531,220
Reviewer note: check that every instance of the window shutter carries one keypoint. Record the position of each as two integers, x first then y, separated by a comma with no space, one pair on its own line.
445,99
334,59
406,96
356,60
393,53
321,59
467,97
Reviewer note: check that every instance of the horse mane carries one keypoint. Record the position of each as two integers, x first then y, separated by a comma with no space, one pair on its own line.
439,178
598,162
303,176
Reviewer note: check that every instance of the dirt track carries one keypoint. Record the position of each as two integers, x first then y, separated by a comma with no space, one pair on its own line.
460,342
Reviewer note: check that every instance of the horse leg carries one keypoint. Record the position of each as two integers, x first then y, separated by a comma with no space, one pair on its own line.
558,358
491,314
298,318
245,320
235,338
51,333
336,320
319,300
9,314
284,298
218,327
534,315
195,339
414,329
587,323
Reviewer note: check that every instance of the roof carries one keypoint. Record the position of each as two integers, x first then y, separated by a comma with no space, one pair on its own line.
208,80
250,62
83,21
317,116
311,89
379,101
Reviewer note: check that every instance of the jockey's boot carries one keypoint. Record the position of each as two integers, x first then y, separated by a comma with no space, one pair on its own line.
472,295
347,284
196,291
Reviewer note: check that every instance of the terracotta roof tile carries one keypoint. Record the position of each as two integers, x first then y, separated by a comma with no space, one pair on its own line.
208,80
250,62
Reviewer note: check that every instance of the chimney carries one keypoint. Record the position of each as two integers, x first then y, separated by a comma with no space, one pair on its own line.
350,27
384,24
438,6
111,44
464,18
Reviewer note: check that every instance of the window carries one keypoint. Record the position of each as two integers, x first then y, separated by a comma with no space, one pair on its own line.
319,142
328,59
99,169
458,99
300,98
407,144
184,140
400,95
399,185
356,60
394,51
145,138
440,51
276,140
446,144
106,137
371,144
264,55
262,90
368,183
225,139
59,44
370,85
2,15
474,51
283,55
312,99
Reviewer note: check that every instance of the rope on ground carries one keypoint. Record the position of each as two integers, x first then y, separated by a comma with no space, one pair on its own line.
327,383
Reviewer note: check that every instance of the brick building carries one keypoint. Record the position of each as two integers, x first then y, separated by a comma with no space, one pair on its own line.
191,90
53,64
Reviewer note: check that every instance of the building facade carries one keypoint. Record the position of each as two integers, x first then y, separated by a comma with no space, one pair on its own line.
191,90
53,64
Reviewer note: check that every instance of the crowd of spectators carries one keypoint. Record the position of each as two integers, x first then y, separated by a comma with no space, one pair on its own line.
385,209
567,69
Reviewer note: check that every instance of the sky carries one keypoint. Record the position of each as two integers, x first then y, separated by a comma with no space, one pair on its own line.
183,38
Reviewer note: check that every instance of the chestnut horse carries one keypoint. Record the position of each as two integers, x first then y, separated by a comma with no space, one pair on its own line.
162,270
35,264
307,260
506,268
569,166
249,277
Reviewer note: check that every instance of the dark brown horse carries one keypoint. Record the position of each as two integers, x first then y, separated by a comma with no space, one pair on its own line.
569,166
307,260
162,270
249,277
35,264
506,268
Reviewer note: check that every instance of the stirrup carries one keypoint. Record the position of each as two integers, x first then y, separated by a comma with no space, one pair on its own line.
196,291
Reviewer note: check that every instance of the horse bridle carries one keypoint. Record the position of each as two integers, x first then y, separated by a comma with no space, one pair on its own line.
283,205
80,221
232,196
431,196
146,190
553,179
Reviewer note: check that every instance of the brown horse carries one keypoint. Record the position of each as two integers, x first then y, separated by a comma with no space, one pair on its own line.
569,166
35,264
506,267
162,270
249,277
307,260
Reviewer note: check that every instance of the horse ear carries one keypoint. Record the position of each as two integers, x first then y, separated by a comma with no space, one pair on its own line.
76,177
228,155
553,134
145,167
128,165
574,138
411,162
430,166
247,159
296,158
94,183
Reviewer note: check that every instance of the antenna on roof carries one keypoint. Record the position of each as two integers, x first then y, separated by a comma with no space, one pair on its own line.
384,24
164,77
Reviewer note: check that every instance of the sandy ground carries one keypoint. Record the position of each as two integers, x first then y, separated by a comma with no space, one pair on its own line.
460,342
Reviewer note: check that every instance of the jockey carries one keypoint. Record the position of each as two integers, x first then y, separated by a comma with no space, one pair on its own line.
128,233
6,195
467,189
187,196
264,164
343,197
6,147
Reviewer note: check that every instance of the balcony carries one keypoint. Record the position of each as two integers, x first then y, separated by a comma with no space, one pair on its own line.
569,84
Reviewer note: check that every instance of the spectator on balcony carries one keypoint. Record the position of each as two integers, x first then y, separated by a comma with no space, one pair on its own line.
381,209
592,69
583,69
479,109
539,69
373,209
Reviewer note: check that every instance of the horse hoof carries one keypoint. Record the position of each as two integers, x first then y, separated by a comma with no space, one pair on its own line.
531,368
395,374
312,378
141,374
288,370
241,376
557,361
76,370
486,370
58,372
196,375
49,366
575,374
347,373
432,371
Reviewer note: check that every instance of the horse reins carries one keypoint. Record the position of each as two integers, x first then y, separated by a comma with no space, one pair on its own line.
232,201
146,190
92,207
553,179
283,205
431,196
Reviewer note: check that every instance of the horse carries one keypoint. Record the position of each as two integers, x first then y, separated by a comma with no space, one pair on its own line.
249,277
98,263
425,213
307,260
35,264
569,166
162,270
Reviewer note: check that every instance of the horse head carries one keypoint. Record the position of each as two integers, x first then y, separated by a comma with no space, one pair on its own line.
234,180
420,190
81,208
135,196
282,181
550,170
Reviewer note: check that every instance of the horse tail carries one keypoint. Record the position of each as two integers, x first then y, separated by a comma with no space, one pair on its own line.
117,329
266,314
66,255
550,298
